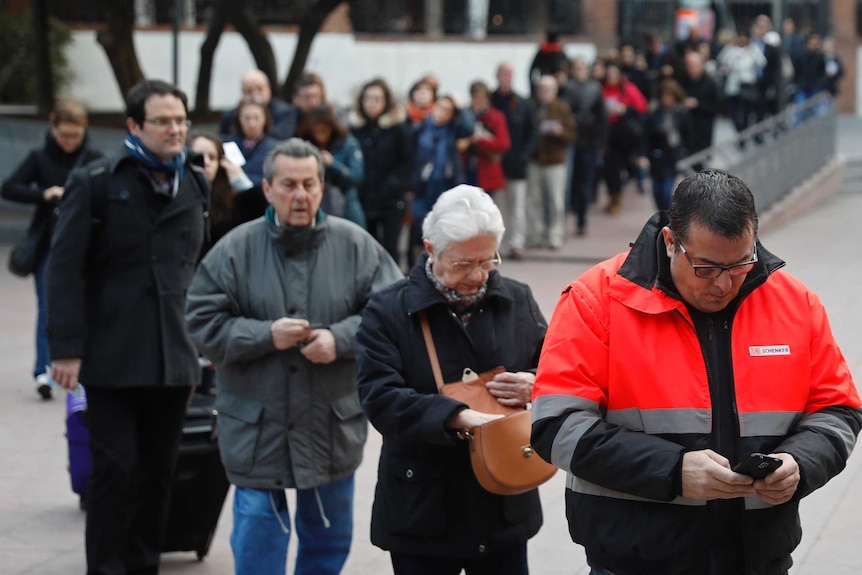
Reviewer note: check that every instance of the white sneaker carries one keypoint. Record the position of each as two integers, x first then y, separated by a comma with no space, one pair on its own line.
43,386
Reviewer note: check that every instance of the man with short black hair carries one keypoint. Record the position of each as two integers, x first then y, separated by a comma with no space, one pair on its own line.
665,367
128,235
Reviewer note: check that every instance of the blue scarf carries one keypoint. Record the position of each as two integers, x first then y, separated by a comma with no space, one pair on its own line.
175,167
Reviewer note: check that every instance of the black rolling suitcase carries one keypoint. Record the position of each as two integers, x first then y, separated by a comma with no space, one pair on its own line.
200,484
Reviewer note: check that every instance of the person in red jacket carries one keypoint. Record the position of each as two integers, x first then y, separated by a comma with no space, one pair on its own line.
665,367
483,151
625,106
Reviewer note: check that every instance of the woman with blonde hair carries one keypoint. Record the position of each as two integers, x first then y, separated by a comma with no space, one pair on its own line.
39,181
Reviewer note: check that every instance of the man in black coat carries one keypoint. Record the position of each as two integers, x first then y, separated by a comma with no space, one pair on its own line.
769,79
585,98
702,101
129,231
519,114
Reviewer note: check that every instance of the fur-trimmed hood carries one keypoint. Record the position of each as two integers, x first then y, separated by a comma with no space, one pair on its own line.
393,117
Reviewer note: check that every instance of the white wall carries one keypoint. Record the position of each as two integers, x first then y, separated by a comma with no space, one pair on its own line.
342,61
859,81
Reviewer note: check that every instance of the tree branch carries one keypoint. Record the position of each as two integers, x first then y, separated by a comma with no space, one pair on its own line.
214,32
309,26
117,41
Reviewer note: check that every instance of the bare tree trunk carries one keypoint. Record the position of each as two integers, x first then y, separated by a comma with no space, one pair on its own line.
309,26
44,67
261,50
116,39
214,32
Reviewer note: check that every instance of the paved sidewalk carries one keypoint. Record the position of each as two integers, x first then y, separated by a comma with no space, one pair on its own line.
41,529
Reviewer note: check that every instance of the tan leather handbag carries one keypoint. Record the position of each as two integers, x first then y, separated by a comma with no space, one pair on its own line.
503,461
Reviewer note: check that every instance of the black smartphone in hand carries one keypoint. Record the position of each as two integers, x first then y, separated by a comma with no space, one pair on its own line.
758,465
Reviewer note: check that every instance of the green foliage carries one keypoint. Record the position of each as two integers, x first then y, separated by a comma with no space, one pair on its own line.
17,58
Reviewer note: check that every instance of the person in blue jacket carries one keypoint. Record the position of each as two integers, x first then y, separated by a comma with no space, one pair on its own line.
254,124
342,158
437,163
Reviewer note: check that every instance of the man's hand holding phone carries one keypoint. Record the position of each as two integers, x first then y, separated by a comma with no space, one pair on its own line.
288,331
778,486
706,475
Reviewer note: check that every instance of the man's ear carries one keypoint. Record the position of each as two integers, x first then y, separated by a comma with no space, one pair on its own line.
266,190
669,241
132,126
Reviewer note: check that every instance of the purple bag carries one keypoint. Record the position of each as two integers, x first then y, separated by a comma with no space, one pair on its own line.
80,458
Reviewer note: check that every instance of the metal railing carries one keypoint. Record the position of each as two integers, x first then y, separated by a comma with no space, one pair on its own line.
778,154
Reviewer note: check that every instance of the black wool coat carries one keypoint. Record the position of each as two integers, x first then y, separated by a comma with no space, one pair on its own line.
702,117
121,260
427,499
42,168
387,149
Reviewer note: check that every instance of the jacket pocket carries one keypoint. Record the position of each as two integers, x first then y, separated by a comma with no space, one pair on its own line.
239,424
349,431
415,498
518,508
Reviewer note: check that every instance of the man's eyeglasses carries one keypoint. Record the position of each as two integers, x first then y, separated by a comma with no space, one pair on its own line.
710,272
466,268
169,122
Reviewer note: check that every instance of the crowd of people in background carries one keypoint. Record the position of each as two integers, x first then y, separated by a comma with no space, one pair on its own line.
586,129
624,119
147,238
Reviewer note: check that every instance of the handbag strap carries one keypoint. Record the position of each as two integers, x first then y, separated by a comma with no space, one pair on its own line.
432,350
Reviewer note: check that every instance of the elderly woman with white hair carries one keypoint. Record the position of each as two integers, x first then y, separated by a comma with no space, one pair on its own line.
429,511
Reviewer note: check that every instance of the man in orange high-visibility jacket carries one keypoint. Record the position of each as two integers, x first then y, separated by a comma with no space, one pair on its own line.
664,368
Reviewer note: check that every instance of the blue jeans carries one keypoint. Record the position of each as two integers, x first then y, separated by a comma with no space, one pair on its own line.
662,190
261,529
43,357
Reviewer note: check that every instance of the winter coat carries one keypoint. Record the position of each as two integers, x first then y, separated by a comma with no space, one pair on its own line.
627,94
347,170
121,260
250,204
427,500
254,156
437,166
520,121
552,149
387,150
549,59
283,420
285,120
702,116
588,106
42,168
483,159
626,385
742,66
810,68
666,134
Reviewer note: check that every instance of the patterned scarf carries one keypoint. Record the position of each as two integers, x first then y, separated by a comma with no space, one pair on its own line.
174,168
462,305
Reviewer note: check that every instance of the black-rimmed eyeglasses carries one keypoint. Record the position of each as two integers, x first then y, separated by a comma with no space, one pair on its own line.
710,272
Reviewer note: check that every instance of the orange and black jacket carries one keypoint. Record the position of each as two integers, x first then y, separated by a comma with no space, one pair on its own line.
628,382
